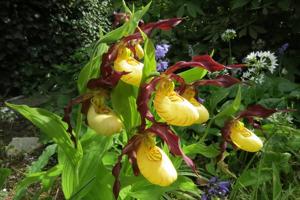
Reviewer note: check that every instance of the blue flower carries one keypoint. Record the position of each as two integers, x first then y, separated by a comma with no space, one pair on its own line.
161,50
204,197
162,65
216,188
283,48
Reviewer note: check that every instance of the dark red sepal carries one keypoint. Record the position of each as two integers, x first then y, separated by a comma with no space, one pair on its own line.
173,141
165,24
143,98
68,111
258,111
225,131
222,81
209,63
130,150
108,82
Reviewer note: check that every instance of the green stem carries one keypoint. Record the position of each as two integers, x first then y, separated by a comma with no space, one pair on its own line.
78,124
206,130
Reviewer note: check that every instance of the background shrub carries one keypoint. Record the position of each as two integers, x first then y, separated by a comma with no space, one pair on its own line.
37,36
260,25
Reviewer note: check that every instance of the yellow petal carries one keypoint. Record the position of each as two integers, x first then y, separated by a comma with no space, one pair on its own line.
155,165
126,63
103,123
203,112
139,51
172,107
189,94
243,138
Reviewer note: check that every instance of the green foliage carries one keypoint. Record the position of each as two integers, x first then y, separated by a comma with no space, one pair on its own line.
45,177
193,74
43,159
4,173
85,165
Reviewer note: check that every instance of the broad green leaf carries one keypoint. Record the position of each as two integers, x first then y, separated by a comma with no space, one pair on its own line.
127,10
217,97
199,148
51,125
4,173
36,177
43,159
69,175
232,108
101,187
127,28
277,189
143,190
94,146
193,74
92,68
123,99
149,58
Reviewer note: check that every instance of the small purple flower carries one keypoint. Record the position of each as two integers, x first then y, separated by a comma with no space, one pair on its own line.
161,50
216,188
204,197
162,65
200,100
283,48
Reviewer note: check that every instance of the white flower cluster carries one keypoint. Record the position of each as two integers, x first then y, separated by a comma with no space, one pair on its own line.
228,35
7,114
281,118
258,63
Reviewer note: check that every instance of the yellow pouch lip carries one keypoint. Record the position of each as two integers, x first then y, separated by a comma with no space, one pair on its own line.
243,138
154,164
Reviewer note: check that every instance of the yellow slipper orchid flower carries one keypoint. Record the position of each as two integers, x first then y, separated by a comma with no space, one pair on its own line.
126,63
172,107
189,94
154,164
243,138
102,119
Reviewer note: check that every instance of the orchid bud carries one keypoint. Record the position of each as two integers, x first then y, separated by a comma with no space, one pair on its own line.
172,107
126,63
139,51
103,120
243,138
189,94
154,164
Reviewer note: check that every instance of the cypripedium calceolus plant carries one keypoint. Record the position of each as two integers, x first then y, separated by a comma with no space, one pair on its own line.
129,61
235,132
122,92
